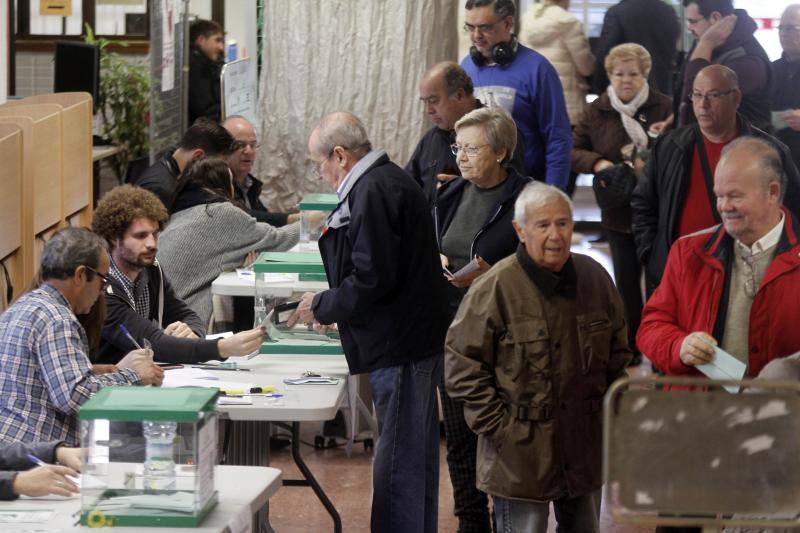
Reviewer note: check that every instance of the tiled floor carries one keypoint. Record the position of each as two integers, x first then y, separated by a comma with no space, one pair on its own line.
348,483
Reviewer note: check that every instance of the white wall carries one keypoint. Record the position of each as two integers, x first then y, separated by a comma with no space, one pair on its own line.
201,8
3,51
240,25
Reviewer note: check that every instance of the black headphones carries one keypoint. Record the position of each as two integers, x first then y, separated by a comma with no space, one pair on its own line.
502,53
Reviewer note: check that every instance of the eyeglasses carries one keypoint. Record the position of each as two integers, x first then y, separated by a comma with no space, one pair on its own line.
318,166
471,151
103,277
711,96
240,145
483,28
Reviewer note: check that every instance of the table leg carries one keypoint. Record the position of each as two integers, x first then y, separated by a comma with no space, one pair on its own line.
309,479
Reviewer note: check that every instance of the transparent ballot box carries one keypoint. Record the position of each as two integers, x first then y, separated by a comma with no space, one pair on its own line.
272,267
148,457
314,210
299,339
685,452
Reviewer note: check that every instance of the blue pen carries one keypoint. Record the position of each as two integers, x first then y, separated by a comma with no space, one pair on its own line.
130,337
35,460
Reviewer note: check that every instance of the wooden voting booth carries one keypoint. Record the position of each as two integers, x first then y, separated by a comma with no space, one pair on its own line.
46,177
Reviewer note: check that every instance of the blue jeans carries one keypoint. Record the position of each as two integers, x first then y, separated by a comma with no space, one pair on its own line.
573,515
405,469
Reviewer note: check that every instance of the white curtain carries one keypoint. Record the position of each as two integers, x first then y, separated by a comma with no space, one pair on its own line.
366,57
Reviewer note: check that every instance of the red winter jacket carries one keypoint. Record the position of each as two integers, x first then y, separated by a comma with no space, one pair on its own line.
688,297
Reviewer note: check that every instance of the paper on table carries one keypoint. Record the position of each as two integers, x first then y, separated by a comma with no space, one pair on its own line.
724,366
274,277
25,516
235,400
188,372
205,383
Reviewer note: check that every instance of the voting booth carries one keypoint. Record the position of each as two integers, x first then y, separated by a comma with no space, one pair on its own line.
703,457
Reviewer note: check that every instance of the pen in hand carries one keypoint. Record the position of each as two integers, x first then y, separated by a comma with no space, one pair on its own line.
38,462
125,332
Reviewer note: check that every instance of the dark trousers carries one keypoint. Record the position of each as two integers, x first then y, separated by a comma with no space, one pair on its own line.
627,276
471,505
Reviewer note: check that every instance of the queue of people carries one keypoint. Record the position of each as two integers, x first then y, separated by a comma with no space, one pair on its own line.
455,273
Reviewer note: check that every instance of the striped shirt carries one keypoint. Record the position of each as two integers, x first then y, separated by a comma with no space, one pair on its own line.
45,374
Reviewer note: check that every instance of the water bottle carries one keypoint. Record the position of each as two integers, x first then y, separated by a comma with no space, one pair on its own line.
159,464
233,54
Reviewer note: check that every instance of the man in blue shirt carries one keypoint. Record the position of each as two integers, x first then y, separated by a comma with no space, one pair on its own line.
522,81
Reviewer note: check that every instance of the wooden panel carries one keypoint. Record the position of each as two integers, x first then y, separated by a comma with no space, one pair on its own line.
26,125
43,152
11,185
76,127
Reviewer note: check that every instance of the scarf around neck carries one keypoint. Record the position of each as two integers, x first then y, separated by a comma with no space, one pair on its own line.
626,112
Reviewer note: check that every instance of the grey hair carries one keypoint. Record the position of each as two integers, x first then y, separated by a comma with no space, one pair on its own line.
502,8
767,157
728,74
342,129
535,195
498,127
70,248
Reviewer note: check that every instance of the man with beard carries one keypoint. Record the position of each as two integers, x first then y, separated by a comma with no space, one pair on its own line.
141,298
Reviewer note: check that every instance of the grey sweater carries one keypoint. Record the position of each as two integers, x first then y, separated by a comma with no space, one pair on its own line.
201,242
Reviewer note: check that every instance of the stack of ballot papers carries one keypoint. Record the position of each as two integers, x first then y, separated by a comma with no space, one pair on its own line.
149,504
197,377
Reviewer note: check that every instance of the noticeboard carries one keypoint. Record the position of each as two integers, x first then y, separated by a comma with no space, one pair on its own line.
239,89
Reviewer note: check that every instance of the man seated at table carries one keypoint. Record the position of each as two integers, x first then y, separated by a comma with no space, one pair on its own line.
246,187
19,476
733,285
140,296
46,374
203,138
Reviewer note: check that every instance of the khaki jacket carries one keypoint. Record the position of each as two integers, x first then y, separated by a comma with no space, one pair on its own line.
532,372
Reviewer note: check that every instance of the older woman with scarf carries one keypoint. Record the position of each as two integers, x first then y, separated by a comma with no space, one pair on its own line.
614,128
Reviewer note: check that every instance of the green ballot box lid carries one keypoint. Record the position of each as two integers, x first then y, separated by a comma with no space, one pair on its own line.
289,263
149,403
319,202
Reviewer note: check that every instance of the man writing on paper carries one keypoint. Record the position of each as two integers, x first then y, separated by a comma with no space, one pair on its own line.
734,285
140,296
388,298
46,371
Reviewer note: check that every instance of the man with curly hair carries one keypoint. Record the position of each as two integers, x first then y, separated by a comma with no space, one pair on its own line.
141,298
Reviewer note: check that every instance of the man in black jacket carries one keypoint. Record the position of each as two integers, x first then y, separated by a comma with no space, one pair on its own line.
246,188
724,36
203,138
675,195
387,296
141,298
207,39
785,93
650,23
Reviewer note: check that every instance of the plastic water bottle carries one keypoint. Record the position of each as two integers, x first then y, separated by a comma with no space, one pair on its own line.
233,54
159,464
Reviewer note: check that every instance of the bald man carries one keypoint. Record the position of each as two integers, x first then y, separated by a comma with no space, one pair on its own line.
675,196
247,188
446,93
387,295
734,285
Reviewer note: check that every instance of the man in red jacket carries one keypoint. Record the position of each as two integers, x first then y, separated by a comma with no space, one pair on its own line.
734,285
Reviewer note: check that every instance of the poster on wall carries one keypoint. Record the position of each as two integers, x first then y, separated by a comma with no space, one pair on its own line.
59,8
168,21
239,89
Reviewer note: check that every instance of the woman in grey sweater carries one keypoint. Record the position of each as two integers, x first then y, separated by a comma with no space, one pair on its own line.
208,234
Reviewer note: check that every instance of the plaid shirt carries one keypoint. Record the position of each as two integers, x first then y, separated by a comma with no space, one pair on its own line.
46,375
137,291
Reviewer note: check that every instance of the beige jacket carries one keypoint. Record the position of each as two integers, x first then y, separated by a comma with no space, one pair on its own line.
558,35
532,371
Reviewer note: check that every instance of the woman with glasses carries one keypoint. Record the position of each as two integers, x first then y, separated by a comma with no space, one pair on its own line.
208,233
472,215
613,129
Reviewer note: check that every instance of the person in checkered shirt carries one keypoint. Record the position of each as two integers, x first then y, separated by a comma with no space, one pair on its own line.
45,373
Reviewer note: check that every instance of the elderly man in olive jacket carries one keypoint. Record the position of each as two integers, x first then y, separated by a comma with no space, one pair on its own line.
535,344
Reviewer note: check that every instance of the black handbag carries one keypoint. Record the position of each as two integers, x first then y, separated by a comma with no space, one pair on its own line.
613,186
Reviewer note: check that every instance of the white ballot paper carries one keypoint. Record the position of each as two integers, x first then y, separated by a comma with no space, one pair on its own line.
724,366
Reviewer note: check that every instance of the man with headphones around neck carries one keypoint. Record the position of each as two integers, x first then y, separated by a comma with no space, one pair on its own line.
510,75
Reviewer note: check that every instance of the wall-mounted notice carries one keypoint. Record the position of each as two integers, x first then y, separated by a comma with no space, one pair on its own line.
239,89
60,8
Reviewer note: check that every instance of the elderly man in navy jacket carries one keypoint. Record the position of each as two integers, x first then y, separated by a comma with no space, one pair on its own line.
387,297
